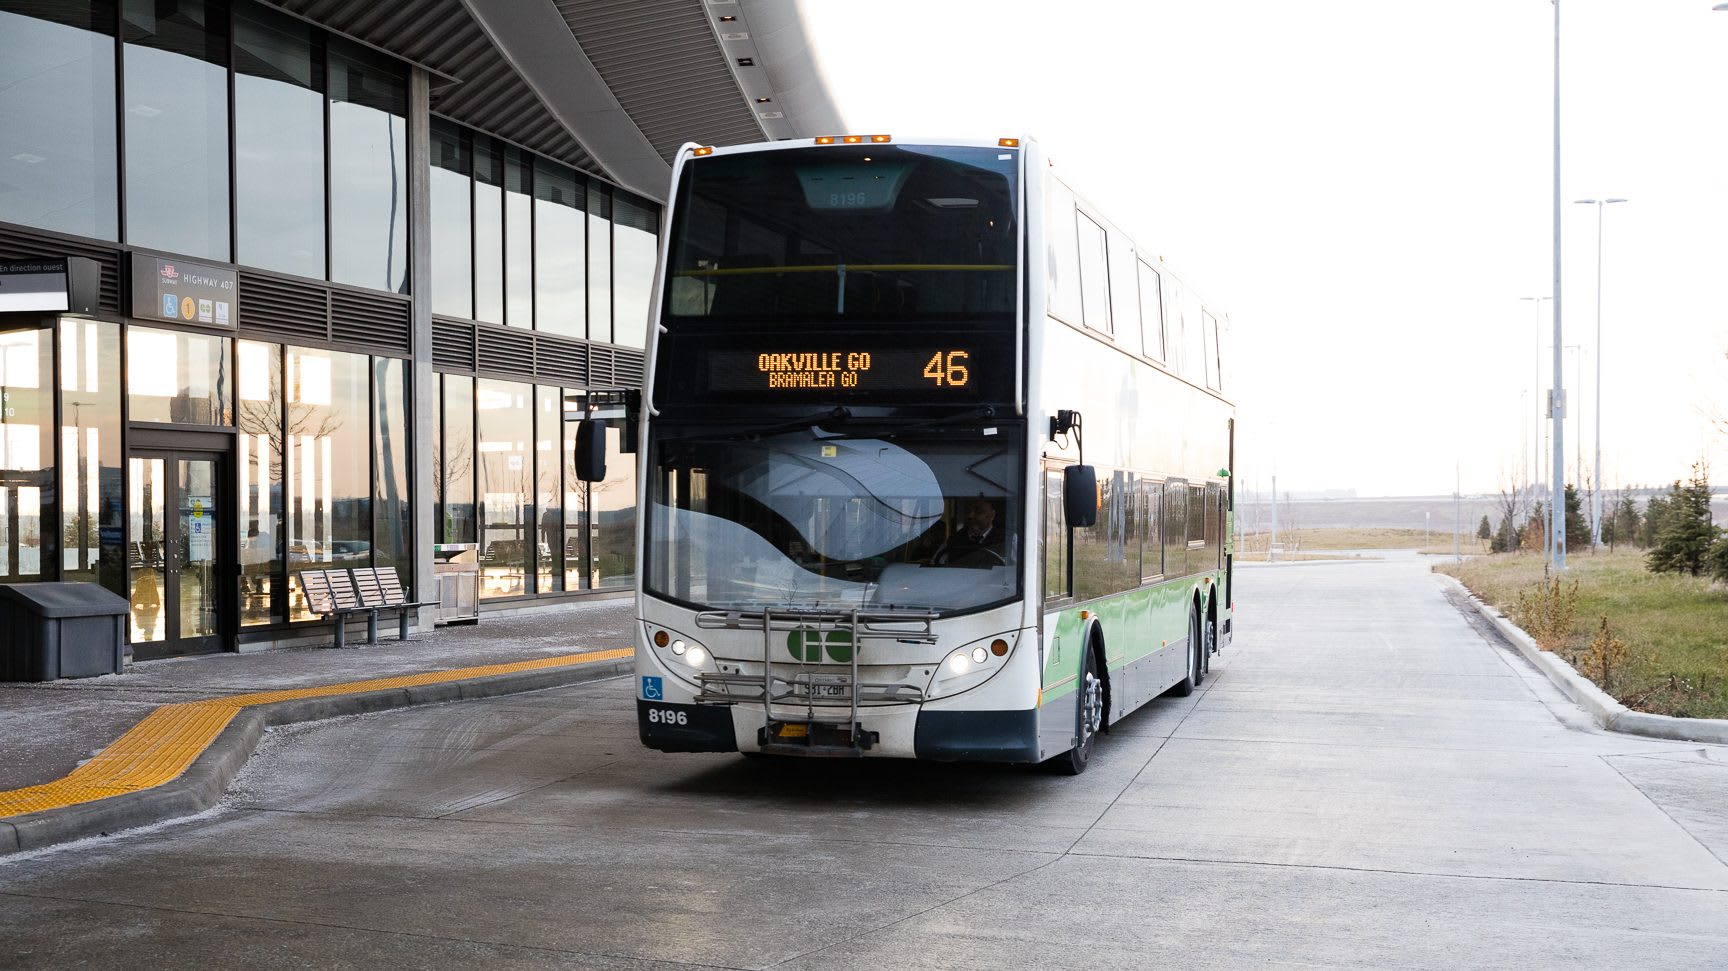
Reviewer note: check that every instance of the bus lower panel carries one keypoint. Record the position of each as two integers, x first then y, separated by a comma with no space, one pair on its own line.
977,736
685,728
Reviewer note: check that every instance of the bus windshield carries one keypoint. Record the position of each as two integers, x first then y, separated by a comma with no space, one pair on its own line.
890,232
811,519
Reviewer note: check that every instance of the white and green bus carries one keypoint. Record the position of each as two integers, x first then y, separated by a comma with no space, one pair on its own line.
935,463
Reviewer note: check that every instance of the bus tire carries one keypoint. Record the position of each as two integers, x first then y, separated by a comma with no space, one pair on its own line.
1088,719
1192,677
1209,642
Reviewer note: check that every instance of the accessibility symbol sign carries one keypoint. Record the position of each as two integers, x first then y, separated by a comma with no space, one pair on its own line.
651,689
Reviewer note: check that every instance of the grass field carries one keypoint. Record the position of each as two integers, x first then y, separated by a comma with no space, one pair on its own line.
1675,627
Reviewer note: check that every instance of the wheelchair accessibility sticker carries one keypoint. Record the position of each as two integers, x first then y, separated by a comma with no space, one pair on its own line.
651,689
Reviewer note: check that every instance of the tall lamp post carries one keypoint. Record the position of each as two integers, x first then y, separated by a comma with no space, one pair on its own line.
1535,394
1557,402
1596,493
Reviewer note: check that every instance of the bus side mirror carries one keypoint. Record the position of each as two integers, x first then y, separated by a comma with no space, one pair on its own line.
1080,496
591,450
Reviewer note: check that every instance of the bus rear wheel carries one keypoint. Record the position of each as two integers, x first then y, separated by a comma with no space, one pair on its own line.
1192,677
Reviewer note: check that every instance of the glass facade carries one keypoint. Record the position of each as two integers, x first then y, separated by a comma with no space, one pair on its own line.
560,263
635,242
263,590
453,462
368,170
518,238
548,500
278,142
452,204
58,157
488,230
329,496
599,262
26,450
92,499
505,426
178,378
176,84
392,507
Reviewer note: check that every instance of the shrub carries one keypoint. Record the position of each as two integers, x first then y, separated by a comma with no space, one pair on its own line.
1545,611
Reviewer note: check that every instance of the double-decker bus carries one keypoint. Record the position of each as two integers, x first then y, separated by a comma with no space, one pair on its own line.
934,462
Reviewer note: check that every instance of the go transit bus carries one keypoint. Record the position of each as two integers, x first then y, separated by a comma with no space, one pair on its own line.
935,463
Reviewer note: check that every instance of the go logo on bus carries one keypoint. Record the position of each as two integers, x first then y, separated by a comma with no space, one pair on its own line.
806,644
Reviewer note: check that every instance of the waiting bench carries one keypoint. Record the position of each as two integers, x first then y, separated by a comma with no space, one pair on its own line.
341,593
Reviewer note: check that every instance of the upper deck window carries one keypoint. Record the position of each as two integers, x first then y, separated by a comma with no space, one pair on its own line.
878,232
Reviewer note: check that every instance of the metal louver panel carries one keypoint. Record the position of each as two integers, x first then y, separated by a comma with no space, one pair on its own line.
562,361
453,345
628,368
17,243
600,358
378,321
504,351
289,309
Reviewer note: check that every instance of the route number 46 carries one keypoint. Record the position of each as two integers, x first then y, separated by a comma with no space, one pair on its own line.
666,716
949,368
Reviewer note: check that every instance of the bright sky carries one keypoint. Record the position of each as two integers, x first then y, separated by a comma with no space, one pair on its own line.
1364,187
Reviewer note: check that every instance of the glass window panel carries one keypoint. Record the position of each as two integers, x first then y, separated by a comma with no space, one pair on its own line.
518,238
263,577
452,202
599,262
1151,535
1063,259
1106,554
329,504
548,494
57,147
1210,338
1175,522
576,552
92,501
26,450
1124,291
1094,275
278,142
505,425
614,505
368,170
178,377
635,244
560,263
391,500
146,535
488,230
455,457
176,87
1055,539
1152,312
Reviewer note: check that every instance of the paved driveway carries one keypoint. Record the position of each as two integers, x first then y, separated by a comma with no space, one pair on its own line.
1365,782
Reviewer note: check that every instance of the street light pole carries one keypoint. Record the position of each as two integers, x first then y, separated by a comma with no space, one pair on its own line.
1535,395
1596,493
1557,412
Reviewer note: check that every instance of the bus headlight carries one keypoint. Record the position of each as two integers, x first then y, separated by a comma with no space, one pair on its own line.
680,654
971,665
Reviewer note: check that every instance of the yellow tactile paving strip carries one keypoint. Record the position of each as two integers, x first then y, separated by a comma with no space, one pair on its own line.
168,740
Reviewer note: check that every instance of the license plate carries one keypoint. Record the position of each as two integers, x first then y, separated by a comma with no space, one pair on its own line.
827,690
794,731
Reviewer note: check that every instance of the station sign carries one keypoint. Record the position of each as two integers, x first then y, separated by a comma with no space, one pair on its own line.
62,284
183,292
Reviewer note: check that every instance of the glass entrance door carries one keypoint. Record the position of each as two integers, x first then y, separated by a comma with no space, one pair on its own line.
176,522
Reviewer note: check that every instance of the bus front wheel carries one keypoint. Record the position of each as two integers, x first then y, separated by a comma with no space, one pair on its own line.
1088,719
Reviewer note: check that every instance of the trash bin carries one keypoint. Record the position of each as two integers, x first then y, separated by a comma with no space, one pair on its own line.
456,570
61,630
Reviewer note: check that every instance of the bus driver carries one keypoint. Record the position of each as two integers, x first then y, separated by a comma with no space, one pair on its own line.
979,543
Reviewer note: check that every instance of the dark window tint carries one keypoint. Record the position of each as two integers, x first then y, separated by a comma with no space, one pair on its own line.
488,230
176,61
560,260
886,232
368,170
1175,523
278,142
57,143
635,238
452,221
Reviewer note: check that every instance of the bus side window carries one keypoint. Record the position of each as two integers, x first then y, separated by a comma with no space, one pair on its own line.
1175,522
1214,523
1152,312
1055,533
1064,254
1094,274
1151,537
1210,338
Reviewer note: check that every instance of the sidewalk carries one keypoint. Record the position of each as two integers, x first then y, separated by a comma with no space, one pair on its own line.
48,730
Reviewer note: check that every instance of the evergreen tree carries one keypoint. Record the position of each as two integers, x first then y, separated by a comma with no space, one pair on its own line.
1608,529
1505,538
1535,535
1577,527
1654,509
1484,532
1687,532
1716,561
1627,523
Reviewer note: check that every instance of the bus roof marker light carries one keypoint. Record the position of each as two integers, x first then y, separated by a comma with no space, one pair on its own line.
879,139
704,150
1007,143
824,139
852,139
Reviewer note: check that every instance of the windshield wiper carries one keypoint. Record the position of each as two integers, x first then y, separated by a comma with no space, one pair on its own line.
838,413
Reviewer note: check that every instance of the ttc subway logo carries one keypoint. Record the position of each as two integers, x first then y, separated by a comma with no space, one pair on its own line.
651,689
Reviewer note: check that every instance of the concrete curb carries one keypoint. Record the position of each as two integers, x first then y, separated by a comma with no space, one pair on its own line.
1607,712
203,784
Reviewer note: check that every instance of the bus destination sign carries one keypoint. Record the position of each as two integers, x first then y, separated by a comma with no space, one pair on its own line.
946,369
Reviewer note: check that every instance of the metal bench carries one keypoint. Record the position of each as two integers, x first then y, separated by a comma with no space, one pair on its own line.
380,589
331,593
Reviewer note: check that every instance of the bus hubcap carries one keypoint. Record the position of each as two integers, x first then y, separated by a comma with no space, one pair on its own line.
1092,711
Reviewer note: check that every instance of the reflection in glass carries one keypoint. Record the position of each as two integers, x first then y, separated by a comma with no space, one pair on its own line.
278,142
576,552
505,421
452,222
549,550
518,238
391,506
90,479
599,262
26,450
329,504
176,88
57,152
636,225
196,579
262,576
453,460
560,267
177,377
613,501
368,170
146,532
488,230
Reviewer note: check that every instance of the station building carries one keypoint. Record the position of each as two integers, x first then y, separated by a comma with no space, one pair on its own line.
305,284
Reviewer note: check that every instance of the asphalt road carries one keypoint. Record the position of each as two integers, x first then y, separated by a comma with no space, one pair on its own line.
1365,782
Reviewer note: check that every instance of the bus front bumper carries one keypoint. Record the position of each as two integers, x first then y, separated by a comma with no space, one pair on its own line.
893,732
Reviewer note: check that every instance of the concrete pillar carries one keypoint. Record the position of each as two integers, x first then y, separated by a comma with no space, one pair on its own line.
422,381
